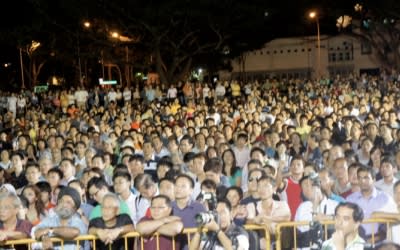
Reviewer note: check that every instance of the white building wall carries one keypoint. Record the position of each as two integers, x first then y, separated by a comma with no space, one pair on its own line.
290,56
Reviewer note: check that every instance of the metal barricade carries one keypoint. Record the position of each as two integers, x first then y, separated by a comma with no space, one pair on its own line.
294,225
253,227
28,241
189,232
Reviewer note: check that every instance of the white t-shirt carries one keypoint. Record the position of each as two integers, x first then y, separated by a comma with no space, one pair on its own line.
172,93
127,95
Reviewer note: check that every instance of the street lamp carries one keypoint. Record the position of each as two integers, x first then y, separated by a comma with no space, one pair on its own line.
30,48
314,15
86,24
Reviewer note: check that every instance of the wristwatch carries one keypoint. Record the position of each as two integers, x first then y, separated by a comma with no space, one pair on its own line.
51,232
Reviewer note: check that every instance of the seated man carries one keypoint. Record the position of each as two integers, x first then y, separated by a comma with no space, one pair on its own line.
12,228
111,225
161,222
348,217
65,223
222,235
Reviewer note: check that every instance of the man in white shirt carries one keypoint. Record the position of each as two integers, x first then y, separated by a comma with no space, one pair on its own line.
127,94
12,104
388,180
316,207
122,183
172,92
220,91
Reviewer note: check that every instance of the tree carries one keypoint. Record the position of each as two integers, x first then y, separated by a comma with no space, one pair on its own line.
376,24
179,34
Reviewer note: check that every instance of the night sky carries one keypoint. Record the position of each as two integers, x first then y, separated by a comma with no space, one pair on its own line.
25,20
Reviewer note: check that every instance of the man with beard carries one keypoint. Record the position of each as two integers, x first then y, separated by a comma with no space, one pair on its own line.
65,223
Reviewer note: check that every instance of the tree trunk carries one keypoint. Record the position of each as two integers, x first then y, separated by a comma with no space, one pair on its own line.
159,65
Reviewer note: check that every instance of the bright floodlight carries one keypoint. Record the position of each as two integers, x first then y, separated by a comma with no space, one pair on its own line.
114,34
86,24
312,14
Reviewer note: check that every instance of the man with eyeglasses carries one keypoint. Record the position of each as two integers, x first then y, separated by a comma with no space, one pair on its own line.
162,222
252,194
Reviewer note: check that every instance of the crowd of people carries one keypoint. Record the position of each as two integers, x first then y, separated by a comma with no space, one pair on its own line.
108,161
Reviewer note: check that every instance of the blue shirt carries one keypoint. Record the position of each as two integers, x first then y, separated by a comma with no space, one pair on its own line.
378,201
188,213
55,221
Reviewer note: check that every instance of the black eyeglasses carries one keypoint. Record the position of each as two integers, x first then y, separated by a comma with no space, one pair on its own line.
253,179
94,194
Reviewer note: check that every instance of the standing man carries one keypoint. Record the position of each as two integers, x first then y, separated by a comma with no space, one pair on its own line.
348,217
184,206
65,223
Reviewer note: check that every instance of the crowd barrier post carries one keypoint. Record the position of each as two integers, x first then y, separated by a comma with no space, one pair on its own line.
295,224
191,231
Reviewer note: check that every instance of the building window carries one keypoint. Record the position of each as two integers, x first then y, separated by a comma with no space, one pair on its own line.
332,57
347,56
366,48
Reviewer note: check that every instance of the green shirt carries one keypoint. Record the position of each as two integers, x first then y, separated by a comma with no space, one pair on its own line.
96,211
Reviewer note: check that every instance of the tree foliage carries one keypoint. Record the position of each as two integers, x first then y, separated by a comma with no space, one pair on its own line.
375,24
176,36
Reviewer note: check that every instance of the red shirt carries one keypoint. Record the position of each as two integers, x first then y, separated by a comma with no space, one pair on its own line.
165,242
293,193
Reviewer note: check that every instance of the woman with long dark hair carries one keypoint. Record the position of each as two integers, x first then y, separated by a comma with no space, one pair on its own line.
230,169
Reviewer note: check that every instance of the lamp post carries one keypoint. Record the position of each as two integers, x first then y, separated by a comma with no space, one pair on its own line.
314,15
22,69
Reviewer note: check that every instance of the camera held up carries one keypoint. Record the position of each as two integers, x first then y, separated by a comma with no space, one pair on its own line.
206,217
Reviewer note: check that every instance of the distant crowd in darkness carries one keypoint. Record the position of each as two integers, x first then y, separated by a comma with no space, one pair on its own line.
269,151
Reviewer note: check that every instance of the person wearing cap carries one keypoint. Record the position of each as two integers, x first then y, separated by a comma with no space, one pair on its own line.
65,223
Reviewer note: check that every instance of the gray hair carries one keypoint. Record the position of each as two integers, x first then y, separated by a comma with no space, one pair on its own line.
112,196
16,201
